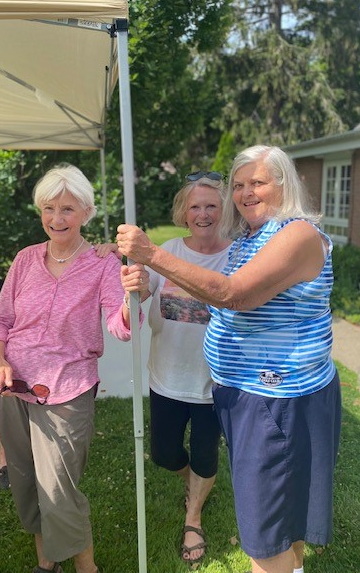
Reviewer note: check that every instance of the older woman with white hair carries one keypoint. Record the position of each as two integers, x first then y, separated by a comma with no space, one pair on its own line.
268,345
50,341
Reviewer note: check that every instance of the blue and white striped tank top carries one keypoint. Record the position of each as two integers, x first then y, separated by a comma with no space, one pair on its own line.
281,349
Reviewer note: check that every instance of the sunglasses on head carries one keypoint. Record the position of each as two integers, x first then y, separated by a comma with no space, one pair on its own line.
213,175
20,387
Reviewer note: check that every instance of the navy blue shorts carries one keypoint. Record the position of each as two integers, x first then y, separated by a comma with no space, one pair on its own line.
169,419
282,456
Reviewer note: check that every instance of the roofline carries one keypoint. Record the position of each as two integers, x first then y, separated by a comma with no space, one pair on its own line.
346,141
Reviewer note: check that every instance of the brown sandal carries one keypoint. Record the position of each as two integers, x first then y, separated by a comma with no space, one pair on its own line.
56,569
201,545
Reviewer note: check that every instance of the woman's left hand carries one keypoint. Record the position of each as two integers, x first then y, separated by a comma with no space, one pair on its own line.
103,249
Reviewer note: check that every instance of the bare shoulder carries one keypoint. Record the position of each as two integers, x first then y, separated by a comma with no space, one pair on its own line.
301,226
302,248
298,234
298,245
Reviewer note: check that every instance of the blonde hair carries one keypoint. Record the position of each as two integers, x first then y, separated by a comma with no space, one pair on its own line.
181,198
295,199
66,177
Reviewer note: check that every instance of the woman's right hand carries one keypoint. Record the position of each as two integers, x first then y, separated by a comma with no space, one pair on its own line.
135,278
5,373
134,243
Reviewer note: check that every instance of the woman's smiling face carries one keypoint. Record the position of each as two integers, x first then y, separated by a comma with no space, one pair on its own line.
62,218
203,211
256,194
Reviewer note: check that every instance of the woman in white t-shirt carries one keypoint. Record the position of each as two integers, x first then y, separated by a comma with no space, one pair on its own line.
179,378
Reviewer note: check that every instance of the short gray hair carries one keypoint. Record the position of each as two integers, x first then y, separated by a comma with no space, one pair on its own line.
295,199
66,177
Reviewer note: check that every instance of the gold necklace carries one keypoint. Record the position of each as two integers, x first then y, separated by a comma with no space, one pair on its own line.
67,258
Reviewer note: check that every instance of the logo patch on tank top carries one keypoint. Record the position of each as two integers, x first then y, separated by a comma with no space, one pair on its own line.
269,378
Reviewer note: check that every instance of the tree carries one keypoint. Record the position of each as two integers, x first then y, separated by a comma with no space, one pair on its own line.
18,219
172,91
334,26
279,89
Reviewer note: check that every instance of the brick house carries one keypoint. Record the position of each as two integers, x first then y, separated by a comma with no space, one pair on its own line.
330,168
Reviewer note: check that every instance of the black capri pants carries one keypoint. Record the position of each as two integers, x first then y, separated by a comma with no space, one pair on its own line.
169,419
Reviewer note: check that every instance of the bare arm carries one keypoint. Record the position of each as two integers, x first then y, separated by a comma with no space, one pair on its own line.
293,255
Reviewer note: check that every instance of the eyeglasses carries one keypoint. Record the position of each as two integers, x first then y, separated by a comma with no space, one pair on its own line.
213,175
20,387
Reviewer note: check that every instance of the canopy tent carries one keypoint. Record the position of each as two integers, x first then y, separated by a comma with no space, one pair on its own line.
55,83
59,64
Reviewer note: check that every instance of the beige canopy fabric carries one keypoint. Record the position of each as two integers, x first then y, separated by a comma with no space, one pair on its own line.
58,68
87,9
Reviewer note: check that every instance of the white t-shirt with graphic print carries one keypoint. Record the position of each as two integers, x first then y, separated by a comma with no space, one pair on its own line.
177,368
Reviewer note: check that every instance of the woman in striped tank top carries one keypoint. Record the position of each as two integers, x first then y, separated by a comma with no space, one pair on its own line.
268,346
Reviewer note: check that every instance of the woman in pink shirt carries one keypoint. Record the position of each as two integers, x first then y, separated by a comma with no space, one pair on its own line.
50,340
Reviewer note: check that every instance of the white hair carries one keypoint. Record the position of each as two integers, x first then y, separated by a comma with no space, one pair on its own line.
62,178
295,202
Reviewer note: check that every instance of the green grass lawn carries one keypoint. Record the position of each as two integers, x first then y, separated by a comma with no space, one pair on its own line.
110,483
161,234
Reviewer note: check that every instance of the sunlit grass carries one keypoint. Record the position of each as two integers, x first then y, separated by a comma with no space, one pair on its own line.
161,234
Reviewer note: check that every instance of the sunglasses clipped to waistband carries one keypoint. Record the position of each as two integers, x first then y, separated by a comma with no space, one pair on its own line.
213,175
40,391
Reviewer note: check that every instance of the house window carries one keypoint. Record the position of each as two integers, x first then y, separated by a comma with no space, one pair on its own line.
336,200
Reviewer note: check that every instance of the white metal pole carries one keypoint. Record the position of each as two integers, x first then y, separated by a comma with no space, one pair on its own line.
130,217
104,194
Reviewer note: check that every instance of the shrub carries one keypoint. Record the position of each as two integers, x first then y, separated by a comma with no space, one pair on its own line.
345,298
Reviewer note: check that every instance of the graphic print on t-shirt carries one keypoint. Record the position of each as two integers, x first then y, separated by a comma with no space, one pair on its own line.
177,304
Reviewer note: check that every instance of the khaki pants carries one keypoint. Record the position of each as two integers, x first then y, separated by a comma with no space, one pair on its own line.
47,449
